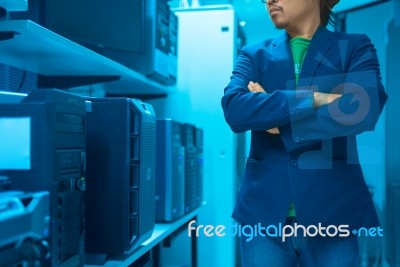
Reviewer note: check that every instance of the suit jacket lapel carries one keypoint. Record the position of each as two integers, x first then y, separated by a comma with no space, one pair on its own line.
282,55
319,46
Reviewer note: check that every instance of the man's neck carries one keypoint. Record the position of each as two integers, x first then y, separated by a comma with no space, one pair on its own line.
306,30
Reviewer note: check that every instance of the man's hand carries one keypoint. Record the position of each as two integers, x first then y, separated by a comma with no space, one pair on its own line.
273,131
321,99
256,88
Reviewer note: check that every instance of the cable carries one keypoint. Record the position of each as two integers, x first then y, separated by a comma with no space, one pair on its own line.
23,78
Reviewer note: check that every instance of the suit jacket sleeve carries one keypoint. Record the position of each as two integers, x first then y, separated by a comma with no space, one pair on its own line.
244,110
358,109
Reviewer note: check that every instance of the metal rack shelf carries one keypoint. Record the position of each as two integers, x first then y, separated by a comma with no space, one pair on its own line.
161,232
63,63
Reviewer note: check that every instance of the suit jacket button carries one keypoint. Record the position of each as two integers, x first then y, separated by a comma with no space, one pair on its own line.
294,163
297,140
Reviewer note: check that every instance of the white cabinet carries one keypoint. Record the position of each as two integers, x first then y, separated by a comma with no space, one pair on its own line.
206,55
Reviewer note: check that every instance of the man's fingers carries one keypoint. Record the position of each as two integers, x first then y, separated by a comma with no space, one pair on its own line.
274,131
255,87
258,88
250,86
332,97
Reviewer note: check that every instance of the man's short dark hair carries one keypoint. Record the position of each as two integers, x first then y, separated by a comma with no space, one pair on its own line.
326,11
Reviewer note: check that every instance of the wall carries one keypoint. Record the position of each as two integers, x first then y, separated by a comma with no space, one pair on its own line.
372,144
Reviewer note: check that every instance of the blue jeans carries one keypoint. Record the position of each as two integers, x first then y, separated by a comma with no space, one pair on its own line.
300,251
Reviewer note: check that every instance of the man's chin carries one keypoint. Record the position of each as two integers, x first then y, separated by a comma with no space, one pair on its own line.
279,25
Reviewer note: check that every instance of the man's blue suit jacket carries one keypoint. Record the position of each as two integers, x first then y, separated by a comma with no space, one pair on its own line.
313,162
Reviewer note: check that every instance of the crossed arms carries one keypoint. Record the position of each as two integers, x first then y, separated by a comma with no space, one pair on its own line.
320,99
310,115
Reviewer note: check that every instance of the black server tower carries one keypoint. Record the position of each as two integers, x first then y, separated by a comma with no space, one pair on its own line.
170,171
52,125
121,140
199,143
173,48
156,59
138,32
191,187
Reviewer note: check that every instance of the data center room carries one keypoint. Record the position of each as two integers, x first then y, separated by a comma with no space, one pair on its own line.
118,146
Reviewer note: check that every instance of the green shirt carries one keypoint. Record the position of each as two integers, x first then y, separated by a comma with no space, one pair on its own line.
299,47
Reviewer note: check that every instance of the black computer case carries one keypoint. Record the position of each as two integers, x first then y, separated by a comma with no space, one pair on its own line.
191,160
54,161
199,143
173,49
170,171
158,59
135,33
121,140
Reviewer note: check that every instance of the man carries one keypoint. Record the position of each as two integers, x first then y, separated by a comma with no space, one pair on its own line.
304,96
